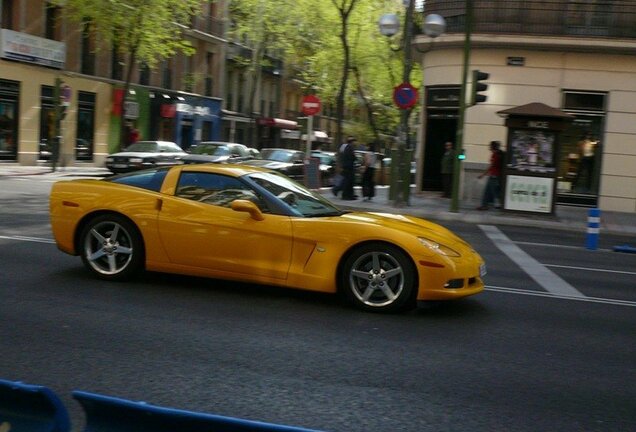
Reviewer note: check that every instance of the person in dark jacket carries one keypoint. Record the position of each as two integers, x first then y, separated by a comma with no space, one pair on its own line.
347,165
448,160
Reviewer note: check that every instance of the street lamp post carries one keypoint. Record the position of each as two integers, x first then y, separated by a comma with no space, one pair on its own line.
434,25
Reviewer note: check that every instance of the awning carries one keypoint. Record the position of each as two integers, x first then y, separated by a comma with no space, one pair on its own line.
319,136
278,123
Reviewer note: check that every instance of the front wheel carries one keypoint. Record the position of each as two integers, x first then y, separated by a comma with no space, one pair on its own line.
111,247
379,278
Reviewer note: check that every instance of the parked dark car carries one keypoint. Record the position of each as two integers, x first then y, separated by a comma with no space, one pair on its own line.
286,161
292,163
217,152
145,154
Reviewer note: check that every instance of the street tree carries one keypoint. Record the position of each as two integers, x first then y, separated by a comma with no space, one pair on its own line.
142,32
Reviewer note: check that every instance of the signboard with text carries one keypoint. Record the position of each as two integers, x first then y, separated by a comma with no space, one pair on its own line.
32,49
529,194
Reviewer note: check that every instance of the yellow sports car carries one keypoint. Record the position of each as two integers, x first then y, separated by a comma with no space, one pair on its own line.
249,224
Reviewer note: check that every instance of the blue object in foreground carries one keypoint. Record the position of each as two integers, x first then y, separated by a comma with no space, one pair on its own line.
111,414
593,228
31,408
625,248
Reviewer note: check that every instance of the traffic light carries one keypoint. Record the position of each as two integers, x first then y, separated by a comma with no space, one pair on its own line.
478,87
462,155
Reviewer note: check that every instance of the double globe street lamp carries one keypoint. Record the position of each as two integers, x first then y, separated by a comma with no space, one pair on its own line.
389,24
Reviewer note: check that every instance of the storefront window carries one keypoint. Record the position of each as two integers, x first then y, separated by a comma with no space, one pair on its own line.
85,126
581,148
9,91
47,122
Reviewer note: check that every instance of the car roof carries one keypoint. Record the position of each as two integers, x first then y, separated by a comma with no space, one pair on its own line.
232,169
220,143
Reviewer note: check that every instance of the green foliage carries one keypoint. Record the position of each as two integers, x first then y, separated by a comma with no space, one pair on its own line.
152,30
307,32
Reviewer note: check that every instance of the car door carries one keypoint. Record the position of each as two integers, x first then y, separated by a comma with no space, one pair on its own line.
199,229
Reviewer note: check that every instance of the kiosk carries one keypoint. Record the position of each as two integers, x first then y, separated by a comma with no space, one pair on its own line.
531,161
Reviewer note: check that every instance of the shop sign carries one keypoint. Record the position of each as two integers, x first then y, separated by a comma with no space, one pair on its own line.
131,109
530,194
193,110
32,49
168,110
290,134
442,97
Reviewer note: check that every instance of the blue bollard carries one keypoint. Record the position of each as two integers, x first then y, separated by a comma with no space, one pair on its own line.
593,228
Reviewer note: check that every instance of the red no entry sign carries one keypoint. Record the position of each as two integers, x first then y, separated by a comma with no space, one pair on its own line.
405,96
310,105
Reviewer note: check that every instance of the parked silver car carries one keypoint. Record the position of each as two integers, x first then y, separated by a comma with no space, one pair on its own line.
217,152
145,154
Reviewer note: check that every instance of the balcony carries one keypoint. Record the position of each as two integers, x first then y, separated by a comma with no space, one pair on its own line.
208,24
605,19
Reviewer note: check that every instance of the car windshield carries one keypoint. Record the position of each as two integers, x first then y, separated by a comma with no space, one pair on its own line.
211,149
277,155
143,147
296,197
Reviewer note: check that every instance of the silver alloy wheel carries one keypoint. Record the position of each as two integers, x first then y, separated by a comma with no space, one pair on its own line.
376,279
108,247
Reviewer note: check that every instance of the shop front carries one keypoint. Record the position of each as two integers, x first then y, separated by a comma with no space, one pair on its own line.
531,160
9,109
185,120
272,131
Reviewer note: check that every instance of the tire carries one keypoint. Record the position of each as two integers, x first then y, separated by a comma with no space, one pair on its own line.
379,277
111,247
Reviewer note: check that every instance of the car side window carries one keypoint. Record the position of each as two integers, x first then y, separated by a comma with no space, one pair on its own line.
151,179
216,189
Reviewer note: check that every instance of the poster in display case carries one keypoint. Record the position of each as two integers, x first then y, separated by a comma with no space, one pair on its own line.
532,151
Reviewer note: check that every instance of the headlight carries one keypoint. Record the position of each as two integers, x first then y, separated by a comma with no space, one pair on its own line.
109,159
136,160
438,247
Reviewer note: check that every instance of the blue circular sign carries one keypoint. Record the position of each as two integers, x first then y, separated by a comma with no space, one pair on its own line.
405,96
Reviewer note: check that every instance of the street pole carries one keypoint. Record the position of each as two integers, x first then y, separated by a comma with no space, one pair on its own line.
459,139
402,185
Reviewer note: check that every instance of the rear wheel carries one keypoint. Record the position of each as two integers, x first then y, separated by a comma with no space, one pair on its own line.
380,278
111,247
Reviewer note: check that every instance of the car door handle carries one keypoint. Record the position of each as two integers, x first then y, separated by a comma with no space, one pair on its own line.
159,204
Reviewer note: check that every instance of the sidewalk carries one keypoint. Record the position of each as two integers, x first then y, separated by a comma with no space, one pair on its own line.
428,205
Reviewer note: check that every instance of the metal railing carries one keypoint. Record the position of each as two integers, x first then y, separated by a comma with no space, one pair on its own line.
572,18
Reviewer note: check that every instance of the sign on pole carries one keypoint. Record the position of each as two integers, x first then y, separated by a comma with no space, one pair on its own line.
405,96
310,105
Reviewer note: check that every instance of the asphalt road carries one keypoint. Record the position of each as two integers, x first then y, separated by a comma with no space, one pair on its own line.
548,346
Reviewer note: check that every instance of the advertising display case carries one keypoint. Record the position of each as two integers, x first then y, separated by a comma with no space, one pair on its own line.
531,161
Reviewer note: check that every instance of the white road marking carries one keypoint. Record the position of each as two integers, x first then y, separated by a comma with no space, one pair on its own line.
563,297
28,239
591,269
550,245
540,273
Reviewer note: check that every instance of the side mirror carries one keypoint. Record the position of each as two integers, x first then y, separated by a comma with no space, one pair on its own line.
248,207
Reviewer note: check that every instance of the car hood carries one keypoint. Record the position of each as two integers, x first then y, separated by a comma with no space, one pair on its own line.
412,225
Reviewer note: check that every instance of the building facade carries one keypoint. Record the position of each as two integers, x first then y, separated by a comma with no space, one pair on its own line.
574,56
43,55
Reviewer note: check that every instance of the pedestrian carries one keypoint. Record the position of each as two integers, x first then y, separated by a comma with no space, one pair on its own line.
492,190
368,175
347,166
448,162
